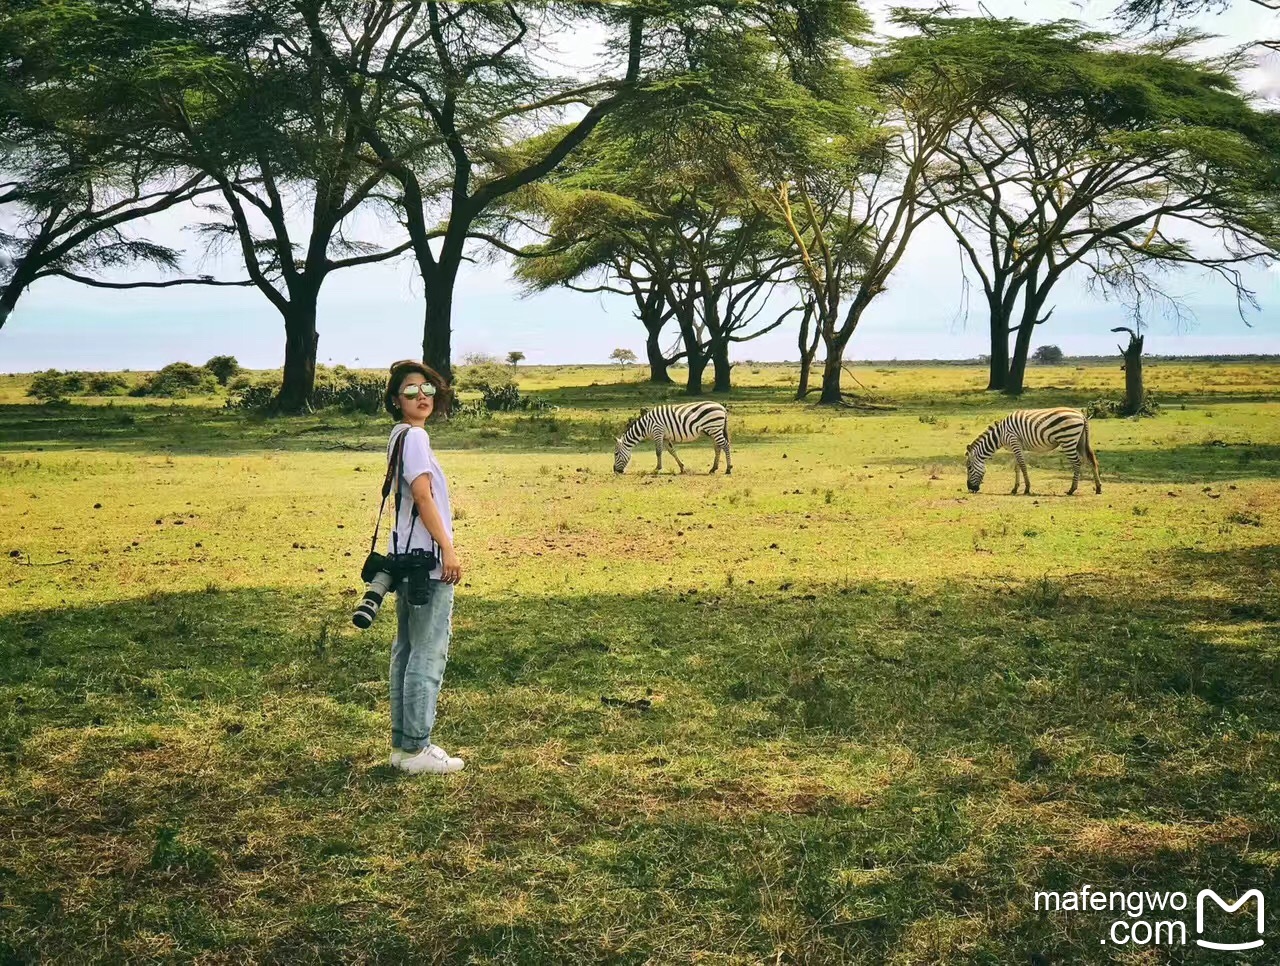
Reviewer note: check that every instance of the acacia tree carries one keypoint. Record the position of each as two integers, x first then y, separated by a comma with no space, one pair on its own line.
278,142
1156,14
71,187
469,80
659,204
692,253
1095,156
595,242
860,184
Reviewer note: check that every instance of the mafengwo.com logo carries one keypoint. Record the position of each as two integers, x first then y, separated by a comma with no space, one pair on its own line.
1160,918
1241,903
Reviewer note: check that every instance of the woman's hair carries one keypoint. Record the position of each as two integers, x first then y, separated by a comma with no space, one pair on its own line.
407,367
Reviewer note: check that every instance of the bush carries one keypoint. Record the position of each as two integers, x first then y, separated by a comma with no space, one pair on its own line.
479,375
54,386
49,386
468,411
251,398
352,394
224,368
106,384
1048,355
1114,408
503,398
177,380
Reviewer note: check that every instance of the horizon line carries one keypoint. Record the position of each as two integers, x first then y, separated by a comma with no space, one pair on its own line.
959,360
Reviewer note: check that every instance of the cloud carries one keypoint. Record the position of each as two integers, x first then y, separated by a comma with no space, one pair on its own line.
1265,79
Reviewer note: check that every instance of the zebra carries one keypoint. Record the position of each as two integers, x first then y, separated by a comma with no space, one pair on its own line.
1037,430
676,424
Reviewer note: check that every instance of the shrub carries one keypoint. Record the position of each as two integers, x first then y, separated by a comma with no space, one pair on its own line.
469,410
49,386
106,384
1114,408
252,398
224,368
178,379
502,398
1048,355
478,375
352,394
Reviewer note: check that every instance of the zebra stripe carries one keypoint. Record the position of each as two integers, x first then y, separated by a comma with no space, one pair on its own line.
1034,430
676,424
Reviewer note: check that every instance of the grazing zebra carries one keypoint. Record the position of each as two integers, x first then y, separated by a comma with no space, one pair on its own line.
676,424
1037,430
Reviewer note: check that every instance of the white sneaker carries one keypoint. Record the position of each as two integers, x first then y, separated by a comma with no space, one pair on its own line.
431,760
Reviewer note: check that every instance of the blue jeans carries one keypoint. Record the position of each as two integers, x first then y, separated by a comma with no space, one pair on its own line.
418,657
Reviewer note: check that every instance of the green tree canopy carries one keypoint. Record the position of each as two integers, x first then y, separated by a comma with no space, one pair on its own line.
76,75
1083,154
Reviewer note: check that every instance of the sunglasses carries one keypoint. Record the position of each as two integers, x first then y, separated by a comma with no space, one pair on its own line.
422,388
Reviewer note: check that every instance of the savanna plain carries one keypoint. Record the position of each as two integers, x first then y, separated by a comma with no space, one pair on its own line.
831,708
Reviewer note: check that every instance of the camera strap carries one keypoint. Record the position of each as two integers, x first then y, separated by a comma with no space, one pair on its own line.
393,461
396,465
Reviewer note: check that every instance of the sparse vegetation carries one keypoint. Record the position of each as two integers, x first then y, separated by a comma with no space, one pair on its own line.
177,381
1115,408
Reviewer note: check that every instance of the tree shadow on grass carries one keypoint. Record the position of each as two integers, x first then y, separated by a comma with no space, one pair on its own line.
632,396
196,431
804,771
193,430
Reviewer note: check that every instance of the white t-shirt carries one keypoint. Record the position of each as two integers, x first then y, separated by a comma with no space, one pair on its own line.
418,458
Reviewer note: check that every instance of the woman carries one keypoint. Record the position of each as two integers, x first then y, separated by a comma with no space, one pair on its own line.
423,522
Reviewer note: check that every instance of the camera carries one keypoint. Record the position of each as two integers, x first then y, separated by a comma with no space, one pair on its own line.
415,569
374,564
379,585
381,573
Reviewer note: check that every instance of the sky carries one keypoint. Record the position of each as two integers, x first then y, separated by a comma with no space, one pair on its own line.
371,316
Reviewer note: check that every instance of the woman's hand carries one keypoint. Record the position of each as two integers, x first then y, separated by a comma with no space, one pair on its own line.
450,565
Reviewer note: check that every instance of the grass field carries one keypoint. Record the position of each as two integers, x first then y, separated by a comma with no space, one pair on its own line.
861,715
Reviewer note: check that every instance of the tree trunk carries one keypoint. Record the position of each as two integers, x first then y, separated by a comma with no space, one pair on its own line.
697,364
835,343
998,367
831,378
437,329
13,290
300,343
808,349
1022,344
657,361
720,361
1134,392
